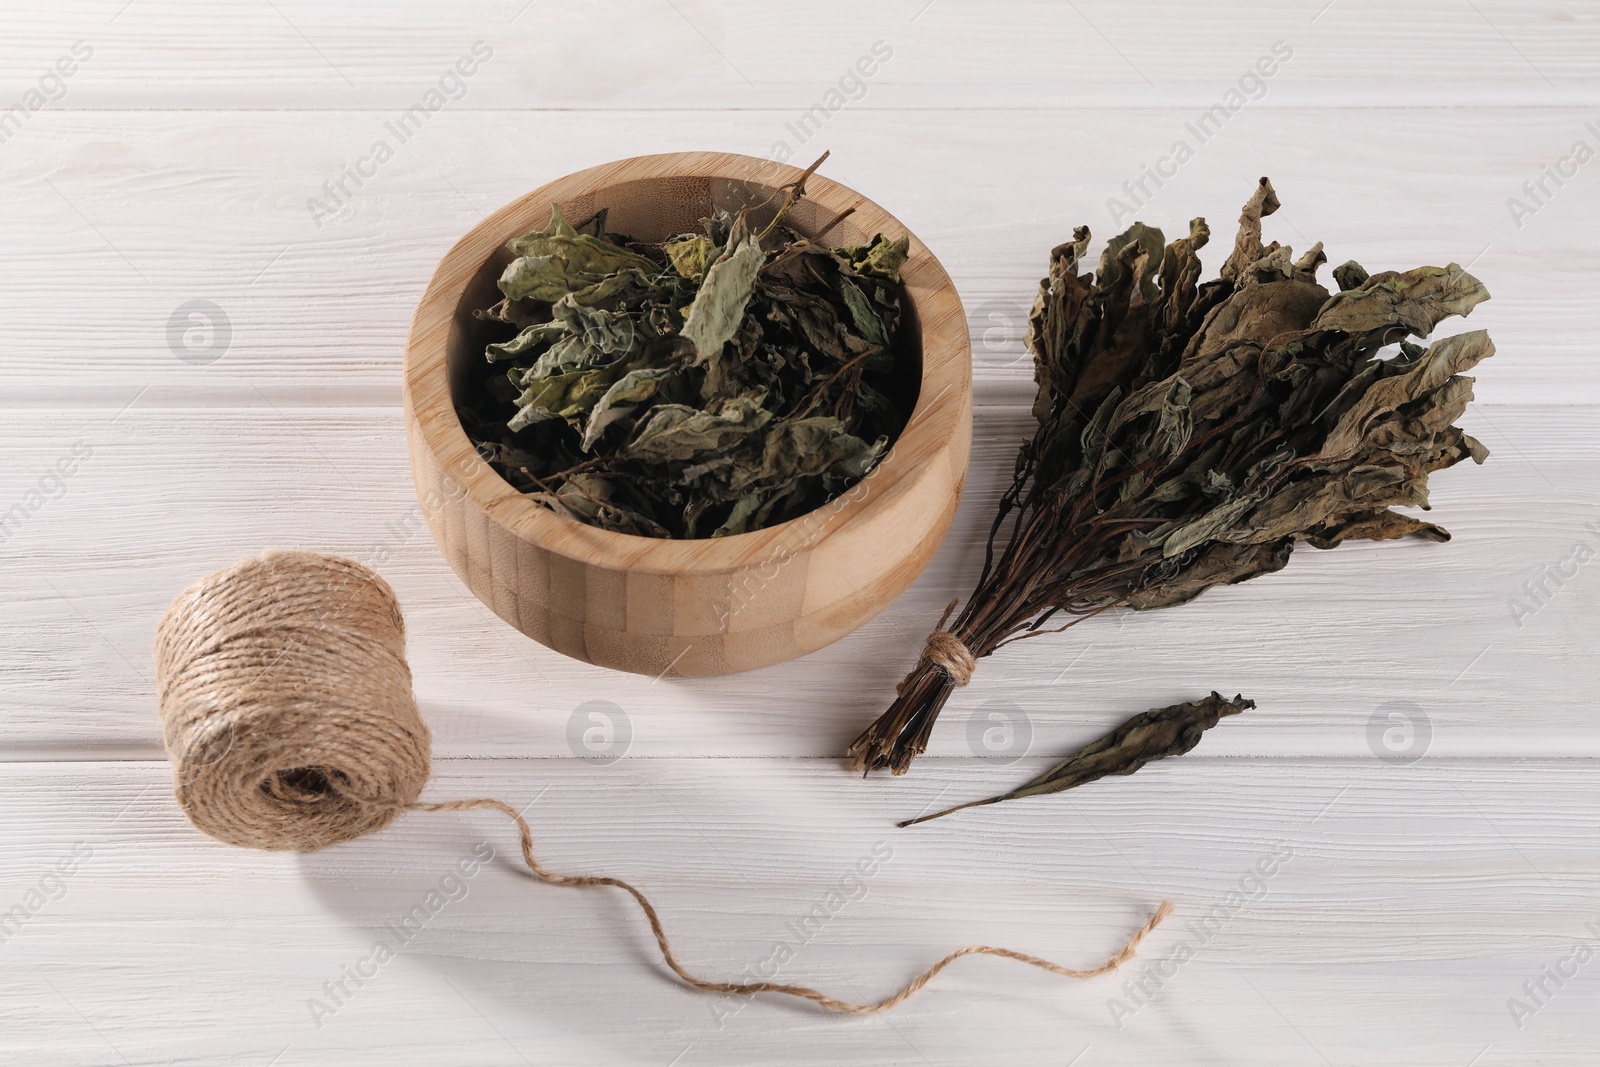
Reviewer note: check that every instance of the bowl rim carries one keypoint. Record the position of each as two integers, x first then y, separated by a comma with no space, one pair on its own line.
936,419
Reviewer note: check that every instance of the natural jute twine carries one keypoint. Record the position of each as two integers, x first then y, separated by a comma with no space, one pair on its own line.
947,652
290,721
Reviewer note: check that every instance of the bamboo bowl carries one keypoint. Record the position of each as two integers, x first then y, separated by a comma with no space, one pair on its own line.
686,607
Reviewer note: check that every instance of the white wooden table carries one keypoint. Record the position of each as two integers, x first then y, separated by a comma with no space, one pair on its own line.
196,153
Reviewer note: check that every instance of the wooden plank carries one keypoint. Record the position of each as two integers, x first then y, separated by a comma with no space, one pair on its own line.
167,496
1440,887
119,220
701,54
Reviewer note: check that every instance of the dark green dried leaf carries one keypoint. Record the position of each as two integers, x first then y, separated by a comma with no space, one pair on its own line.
677,433
865,317
882,257
593,499
1153,735
619,401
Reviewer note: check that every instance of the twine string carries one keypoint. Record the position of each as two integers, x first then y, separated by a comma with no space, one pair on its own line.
833,1004
947,652
288,713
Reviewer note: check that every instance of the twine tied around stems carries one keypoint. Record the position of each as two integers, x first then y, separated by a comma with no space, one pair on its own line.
947,652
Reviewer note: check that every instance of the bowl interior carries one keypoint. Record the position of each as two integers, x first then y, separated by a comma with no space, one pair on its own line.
654,209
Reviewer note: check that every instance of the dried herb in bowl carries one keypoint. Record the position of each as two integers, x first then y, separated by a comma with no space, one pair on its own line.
1189,435
716,383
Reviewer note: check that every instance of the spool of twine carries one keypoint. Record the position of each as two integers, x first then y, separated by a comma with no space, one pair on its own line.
288,714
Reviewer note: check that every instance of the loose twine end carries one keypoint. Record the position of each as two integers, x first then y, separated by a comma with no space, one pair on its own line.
823,1000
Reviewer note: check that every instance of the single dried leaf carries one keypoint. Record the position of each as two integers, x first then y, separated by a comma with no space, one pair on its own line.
718,307
881,257
677,433
558,260
1153,735
619,401
691,255
862,313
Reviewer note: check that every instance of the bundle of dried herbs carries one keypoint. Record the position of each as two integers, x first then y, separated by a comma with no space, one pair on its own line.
1190,434
717,383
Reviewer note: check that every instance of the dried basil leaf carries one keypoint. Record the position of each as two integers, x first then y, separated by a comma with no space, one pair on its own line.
882,257
619,401
1145,738
866,320
691,255
558,260
718,307
677,433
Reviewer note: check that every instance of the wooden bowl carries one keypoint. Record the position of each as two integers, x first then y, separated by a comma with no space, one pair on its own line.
686,607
